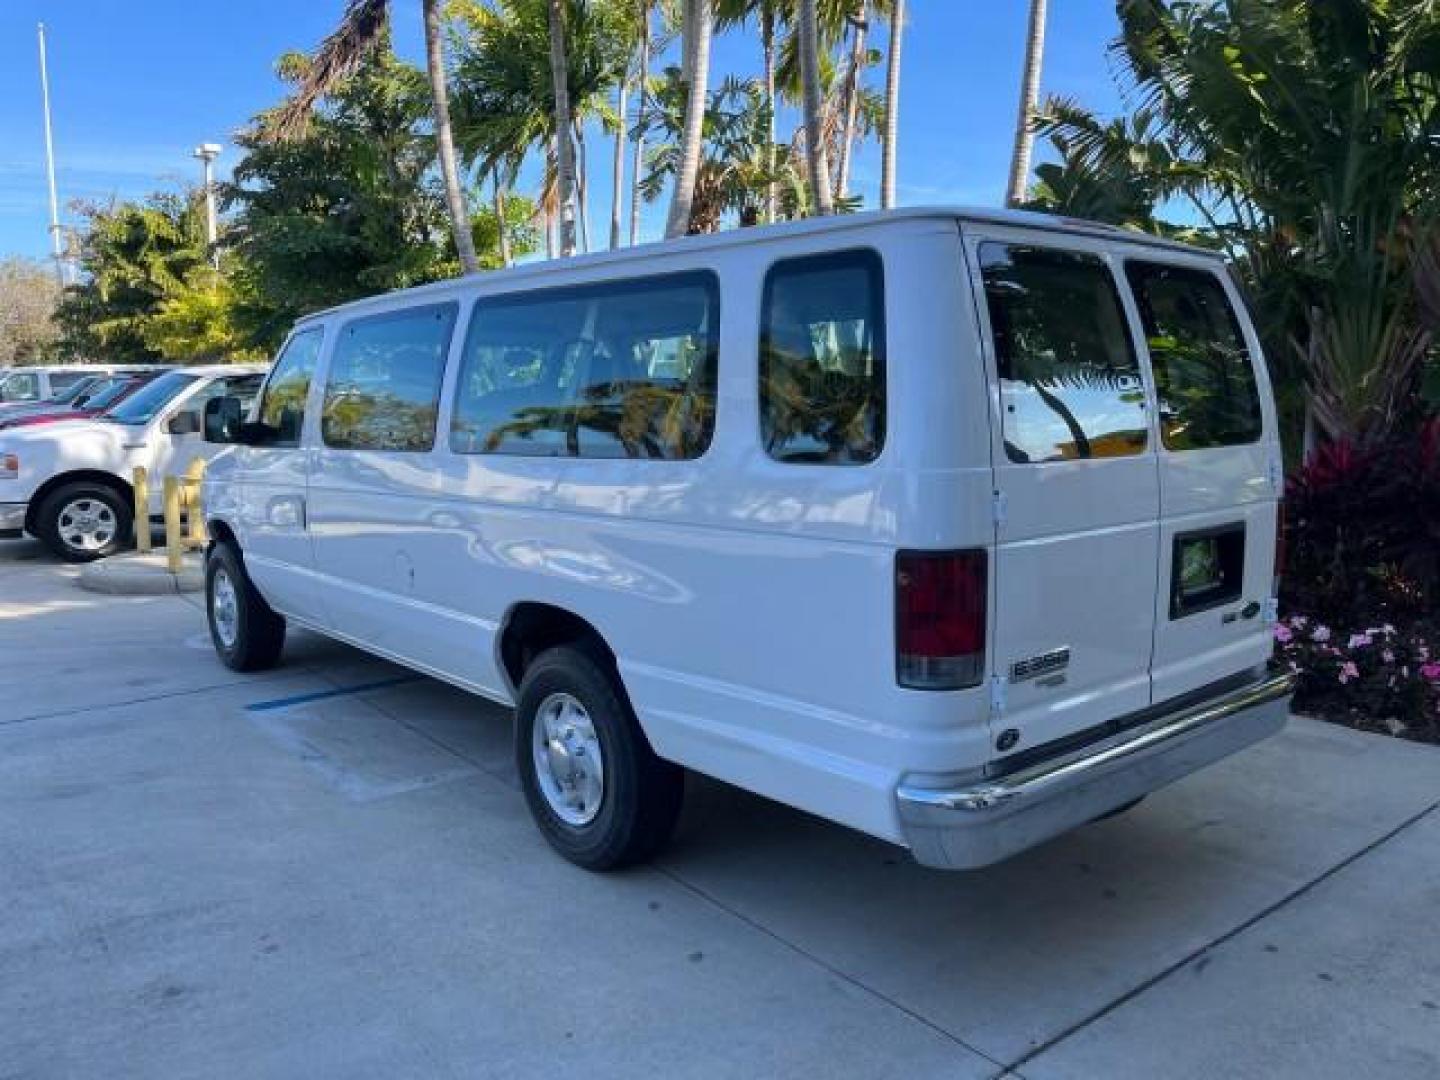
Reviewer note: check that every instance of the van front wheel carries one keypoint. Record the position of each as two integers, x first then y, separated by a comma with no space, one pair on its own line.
246,632
598,792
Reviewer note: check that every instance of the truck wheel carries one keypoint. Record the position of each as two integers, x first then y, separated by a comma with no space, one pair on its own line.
245,630
84,521
596,789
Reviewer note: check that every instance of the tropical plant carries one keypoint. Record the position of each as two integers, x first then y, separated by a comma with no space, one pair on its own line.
1306,136
736,172
1029,98
889,142
817,165
564,147
363,28
698,25
201,322
133,256
504,85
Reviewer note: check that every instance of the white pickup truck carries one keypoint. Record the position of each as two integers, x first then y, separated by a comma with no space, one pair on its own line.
70,484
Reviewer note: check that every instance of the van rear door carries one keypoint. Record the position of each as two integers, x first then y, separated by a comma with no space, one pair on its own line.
1220,473
1076,486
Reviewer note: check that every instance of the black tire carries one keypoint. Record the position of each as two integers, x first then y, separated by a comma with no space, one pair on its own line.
641,793
74,515
257,633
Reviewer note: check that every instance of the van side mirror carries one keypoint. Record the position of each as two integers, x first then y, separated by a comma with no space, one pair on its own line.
222,419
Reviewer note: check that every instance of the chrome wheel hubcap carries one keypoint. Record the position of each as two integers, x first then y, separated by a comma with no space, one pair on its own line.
569,764
87,524
225,608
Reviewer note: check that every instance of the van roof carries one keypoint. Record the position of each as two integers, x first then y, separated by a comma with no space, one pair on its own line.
760,233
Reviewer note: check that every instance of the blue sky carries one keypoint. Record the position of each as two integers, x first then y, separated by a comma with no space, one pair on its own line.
136,86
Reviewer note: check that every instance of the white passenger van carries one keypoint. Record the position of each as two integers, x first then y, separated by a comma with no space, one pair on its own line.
956,528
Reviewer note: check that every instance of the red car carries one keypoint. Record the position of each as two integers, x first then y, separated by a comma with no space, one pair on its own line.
95,399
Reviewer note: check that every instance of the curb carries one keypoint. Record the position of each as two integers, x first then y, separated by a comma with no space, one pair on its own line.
142,575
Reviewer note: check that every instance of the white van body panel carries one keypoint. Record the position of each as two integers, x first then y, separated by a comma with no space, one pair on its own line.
750,603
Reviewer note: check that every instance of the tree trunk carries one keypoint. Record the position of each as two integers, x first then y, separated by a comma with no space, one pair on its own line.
564,151
582,187
1029,97
859,29
889,144
445,140
638,166
617,172
699,18
502,229
767,40
816,160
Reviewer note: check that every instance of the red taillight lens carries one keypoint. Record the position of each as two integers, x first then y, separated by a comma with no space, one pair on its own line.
940,619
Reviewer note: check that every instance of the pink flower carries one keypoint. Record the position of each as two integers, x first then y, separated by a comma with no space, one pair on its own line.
1431,672
1283,634
1358,641
1349,671
1299,622
1321,633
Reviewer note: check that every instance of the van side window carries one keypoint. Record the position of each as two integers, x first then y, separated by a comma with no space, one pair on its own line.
1203,376
1070,385
822,359
383,390
282,404
620,370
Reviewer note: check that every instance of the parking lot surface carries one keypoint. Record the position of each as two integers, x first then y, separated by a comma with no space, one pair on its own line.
328,870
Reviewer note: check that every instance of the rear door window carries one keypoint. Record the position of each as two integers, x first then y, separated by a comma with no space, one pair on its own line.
626,369
1070,383
1203,378
383,390
822,359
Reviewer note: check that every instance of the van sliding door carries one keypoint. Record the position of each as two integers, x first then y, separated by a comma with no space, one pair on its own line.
1076,487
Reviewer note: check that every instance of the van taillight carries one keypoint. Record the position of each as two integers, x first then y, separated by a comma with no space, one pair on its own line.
940,619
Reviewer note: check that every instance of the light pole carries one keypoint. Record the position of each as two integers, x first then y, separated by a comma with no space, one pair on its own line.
55,240
207,153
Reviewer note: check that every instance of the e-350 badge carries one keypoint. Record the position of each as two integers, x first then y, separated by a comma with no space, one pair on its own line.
1046,663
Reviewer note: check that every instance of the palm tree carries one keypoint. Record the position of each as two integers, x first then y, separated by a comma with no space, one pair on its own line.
363,27
889,144
859,28
643,82
769,14
817,164
1029,97
699,20
564,148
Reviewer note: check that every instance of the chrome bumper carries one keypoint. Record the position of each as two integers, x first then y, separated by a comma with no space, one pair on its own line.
12,519
961,826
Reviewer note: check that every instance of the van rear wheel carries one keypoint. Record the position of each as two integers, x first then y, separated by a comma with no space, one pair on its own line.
246,632
594,787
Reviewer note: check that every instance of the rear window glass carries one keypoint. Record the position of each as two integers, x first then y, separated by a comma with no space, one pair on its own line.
383,390
1203,378
1070,385
822,359
621,370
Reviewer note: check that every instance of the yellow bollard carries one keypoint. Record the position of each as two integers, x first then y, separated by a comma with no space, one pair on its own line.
142,508
194,515
174,540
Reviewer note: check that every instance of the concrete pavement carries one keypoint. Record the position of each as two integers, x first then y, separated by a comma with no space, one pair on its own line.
327,870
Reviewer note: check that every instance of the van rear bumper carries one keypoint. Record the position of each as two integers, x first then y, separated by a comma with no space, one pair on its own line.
960,826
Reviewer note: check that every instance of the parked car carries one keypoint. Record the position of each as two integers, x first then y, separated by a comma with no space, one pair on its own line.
957,528
87,399
70,484
62,399
25,386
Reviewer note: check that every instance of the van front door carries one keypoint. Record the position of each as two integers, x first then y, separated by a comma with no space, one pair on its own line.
1220,475
273,473
1076,489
